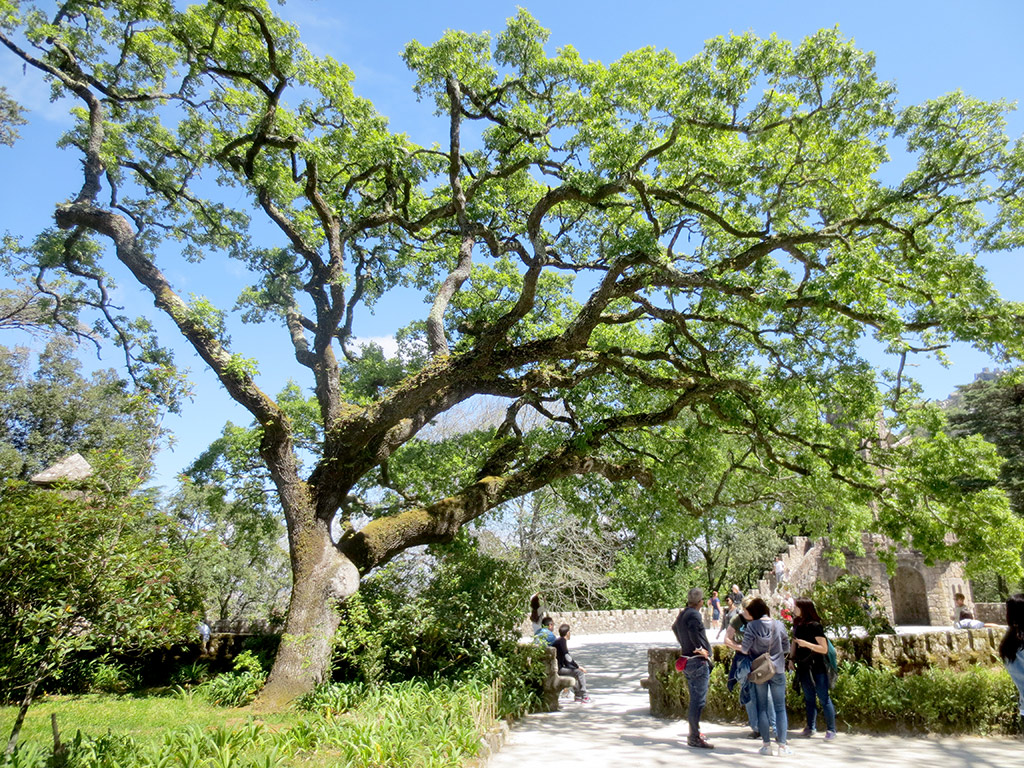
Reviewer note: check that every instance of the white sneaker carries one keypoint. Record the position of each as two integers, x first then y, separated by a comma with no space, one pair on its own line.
765,750
784,750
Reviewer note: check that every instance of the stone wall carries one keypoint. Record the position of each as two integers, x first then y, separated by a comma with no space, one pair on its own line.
661,663
609,622
244,627
916,593
990,612
956,649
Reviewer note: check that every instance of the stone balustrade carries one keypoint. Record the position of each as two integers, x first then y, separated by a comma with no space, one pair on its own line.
609,622
954,648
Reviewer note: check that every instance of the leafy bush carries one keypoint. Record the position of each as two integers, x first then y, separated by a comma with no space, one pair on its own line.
850,602
642,580
239,687
410,723
522,679
110,677
980,700
191,674
410,622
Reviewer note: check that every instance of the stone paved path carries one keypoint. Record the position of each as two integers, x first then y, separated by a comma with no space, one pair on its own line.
617,730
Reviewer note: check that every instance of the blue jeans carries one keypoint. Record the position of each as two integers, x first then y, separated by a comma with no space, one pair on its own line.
776,690
751,707
698,675
817,683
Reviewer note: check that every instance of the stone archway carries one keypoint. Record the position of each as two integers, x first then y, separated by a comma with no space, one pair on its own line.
909,597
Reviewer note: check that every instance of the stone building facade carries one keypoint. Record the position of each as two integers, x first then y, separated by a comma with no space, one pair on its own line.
915,594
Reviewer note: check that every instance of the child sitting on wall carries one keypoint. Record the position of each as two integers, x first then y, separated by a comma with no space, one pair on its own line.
964,618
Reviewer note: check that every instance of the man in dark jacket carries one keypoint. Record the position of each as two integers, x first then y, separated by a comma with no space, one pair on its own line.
689,631
567,665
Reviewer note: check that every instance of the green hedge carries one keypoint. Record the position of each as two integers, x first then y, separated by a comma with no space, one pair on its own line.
981,700
978,701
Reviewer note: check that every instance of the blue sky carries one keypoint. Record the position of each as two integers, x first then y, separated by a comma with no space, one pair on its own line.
927,48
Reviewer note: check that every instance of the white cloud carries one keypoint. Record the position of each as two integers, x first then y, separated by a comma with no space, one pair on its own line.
27,87
388,343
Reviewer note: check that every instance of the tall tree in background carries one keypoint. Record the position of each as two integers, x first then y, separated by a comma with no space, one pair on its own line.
54,411
609,246
994,409
232,529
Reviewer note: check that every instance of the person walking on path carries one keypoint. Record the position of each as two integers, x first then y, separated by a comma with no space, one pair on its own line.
730,611
765,635
810,650
716,608
1011,649
567,665
736,595
693,640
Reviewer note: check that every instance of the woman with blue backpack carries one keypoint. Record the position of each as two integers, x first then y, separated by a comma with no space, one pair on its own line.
811,658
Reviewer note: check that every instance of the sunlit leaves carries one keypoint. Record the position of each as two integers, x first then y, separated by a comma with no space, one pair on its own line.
89,569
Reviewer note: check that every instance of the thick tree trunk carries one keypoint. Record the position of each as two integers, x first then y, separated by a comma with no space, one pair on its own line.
19,721
322,578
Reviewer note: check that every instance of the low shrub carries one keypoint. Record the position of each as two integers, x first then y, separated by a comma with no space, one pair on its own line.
979,701
410,723
191,674
107,677
239,687
522,681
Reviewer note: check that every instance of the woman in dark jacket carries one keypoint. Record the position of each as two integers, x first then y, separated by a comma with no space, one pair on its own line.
810,649
1011,649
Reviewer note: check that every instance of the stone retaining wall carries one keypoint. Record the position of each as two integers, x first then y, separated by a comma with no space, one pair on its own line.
955,648
990,612
609,622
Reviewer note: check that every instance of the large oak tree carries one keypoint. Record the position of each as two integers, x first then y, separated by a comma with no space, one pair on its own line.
606,246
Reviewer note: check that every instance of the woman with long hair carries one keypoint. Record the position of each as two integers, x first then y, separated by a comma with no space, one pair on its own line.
765,635
810,650
535,615
1011,649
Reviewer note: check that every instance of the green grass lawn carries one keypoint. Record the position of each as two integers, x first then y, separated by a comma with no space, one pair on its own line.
409,724
146,718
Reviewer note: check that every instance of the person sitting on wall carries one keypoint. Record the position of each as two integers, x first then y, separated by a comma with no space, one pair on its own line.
546,634
964,618
567,665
